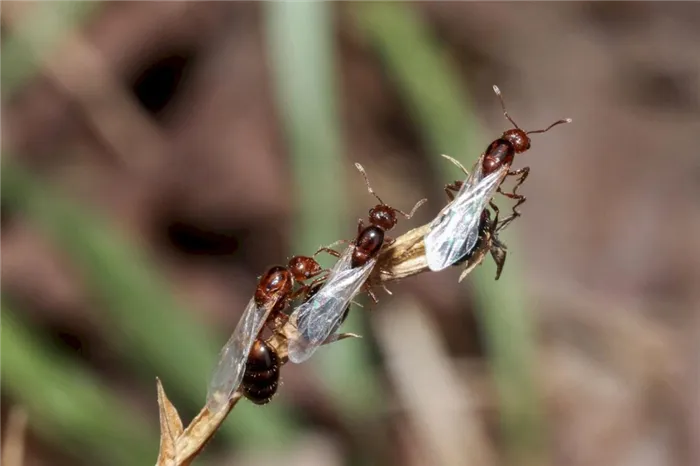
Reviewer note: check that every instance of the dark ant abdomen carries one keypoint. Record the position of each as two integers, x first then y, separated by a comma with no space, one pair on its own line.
484,229
500,152
367,245
310,294
262,374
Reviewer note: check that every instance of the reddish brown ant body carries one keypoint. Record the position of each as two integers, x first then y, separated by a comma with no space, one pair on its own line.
245,355
262,373
501,152
370,239
278,284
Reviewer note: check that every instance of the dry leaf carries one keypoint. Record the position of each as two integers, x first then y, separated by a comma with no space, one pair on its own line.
170,429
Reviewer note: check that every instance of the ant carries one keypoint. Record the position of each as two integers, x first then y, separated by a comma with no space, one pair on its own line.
275,287
501,152
370,239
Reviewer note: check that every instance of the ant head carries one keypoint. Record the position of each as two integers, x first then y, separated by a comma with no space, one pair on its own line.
383,216
519,139
303,267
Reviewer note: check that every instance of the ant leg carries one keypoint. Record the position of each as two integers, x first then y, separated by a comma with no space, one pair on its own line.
318,280
387,290
523,172
456,186
496,211
503,224
516,213
495,227
370,293
360,226
330,251
301,291
340,241
389,241
305,288
367,288
513,216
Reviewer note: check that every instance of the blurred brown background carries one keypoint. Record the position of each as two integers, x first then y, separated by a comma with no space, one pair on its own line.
165,119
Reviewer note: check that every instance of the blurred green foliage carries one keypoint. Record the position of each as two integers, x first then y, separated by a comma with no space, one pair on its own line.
68,405
423,71
159,338
302,52
149,329
37,37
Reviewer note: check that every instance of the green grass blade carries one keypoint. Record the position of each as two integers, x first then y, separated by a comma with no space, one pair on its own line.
67,405
154,333
148,327
420,67
301,45
39,32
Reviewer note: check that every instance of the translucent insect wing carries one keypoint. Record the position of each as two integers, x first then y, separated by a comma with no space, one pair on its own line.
455,231
233,357
319,317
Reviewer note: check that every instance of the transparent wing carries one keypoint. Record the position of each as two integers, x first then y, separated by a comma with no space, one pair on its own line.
233,357
455,230
320,316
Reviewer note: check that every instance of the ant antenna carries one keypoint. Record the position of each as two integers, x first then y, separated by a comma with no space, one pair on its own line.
503,106
371,191
413,211
456,162
560,122
369,188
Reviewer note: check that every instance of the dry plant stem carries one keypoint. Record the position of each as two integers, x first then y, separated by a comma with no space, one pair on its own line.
14,441
402,259
178,446
442,414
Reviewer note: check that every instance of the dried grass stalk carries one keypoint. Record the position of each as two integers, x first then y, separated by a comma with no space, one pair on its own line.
402,259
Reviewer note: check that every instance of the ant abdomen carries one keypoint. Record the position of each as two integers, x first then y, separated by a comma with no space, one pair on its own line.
277,279
367,245
484,229
262,373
